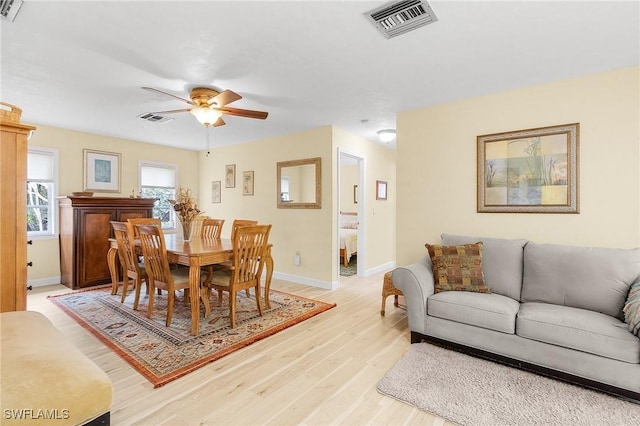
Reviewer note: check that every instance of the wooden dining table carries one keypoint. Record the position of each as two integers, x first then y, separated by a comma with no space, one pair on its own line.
195,254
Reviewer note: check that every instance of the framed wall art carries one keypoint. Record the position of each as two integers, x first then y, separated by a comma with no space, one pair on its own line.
381,190
216,190
101,171
230,176
529,171
247,183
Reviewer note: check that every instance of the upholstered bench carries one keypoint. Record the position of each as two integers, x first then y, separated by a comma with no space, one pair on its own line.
47,380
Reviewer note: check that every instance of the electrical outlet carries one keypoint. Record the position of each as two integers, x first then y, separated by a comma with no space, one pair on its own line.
296,259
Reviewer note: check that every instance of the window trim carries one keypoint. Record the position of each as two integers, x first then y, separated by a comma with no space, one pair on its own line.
53,231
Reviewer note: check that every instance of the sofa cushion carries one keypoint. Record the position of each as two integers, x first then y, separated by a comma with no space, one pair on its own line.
578,329
501,262
457,268
492,311
597,279
632,309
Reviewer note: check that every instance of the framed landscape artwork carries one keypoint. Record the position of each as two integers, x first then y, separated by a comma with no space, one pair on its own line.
529,171
101,171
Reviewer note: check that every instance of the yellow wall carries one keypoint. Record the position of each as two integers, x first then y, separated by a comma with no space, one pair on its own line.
348,178
436,157
70,144
307,231
377,217
311,232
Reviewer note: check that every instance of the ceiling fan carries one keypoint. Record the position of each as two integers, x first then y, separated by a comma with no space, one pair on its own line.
209,105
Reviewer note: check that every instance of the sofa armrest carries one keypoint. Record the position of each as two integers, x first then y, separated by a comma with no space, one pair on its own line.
417,284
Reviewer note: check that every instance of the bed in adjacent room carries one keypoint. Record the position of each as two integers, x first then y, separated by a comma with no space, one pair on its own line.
348,236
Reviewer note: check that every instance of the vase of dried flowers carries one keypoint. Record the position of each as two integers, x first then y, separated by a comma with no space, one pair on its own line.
186,210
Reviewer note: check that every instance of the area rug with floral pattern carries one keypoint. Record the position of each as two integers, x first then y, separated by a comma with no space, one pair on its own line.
163,354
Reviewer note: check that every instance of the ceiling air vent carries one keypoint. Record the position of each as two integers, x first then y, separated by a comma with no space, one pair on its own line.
399,17
154,118
9,8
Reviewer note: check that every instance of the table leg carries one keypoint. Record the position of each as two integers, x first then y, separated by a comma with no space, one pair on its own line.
112,255
194,294
267,284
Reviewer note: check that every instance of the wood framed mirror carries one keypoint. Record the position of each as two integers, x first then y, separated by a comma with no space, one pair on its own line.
300,184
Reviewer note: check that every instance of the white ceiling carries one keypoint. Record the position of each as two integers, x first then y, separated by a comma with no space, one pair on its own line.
81,65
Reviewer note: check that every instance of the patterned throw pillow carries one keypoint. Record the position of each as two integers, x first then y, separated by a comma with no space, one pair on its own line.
632,309
458,268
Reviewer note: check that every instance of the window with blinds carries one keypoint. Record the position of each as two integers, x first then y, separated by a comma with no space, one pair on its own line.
158,180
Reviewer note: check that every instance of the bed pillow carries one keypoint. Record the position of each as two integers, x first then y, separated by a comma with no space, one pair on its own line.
458,268
632,309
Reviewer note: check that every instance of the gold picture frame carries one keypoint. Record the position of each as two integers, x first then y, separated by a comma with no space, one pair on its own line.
381,190
529,171
230,176
247,182
101,172
216,196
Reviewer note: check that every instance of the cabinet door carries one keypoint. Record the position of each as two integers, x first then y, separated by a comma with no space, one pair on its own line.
93,244
13,228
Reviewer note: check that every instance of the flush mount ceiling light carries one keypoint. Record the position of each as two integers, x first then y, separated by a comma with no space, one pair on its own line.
387,135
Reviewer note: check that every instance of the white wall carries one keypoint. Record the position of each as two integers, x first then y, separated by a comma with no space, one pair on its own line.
436,163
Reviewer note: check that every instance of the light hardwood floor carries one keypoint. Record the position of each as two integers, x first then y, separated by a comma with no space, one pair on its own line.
322,371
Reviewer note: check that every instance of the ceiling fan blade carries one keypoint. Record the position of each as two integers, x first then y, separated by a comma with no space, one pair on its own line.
224,98
219,122
169,94
173,111
261,115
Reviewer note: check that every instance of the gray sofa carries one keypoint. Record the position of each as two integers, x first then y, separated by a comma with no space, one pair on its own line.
553,309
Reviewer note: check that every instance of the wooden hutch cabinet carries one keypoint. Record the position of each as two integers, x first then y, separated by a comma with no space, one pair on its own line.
13,215
85,230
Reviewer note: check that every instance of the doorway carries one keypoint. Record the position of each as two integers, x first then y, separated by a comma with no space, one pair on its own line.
351,202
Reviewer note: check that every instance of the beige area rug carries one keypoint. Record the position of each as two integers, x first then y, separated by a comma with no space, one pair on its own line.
472,391
163,354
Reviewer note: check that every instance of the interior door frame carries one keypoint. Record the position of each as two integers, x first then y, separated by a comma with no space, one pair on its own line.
360,210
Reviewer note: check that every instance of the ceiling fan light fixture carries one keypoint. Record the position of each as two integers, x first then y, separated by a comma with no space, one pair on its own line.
386,135
206,116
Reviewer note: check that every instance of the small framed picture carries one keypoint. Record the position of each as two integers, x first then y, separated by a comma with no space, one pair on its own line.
101,171
230,176
381,190
216,191
247,183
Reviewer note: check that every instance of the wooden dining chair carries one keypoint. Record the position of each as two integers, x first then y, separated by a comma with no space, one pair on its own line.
196,226
160,275
212,228
131,267
249,249
237,223
143,221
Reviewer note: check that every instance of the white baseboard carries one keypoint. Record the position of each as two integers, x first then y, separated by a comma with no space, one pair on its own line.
41,282
380,268
304,280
